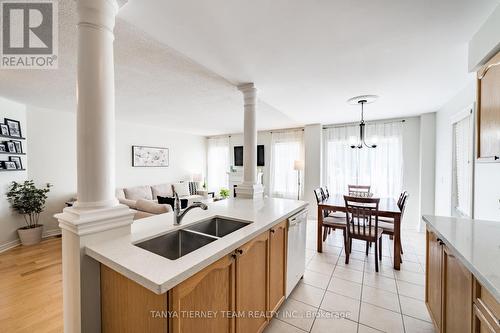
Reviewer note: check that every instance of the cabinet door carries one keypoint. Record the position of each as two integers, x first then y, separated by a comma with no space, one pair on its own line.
433,287
129,307
457,295
277,265
489,108
252,285
208,293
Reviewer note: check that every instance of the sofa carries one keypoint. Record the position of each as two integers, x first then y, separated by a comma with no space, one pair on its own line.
143,199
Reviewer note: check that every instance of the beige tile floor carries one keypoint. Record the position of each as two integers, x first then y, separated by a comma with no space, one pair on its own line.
335,297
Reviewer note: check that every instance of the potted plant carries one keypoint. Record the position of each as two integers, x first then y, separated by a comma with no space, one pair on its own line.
29,201
224,193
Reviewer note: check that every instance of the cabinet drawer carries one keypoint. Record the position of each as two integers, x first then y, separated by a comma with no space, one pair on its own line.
486,310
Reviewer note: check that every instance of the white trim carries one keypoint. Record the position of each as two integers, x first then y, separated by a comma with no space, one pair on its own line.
12,244
455,118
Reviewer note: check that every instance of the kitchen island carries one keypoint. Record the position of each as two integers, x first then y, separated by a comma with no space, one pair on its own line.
242,272
463,274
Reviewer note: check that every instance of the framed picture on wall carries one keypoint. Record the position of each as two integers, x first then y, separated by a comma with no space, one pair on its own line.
3,149
19,146
143,156
14,127
9,165
17,160
11,147
4,130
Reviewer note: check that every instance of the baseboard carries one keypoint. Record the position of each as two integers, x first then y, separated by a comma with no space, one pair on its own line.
9,245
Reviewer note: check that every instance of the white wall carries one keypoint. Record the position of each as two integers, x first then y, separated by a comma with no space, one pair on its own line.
52,158
486,42
313,141
464,99
427,163
9,221
187,155
411,171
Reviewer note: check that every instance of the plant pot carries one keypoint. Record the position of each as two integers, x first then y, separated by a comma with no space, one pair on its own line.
30,236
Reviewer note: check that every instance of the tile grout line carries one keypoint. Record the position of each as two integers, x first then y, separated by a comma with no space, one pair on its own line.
324,294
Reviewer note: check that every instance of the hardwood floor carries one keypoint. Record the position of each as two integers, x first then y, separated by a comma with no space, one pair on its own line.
31,288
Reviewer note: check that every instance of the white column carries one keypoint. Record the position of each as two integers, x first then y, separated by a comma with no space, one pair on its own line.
96,214
249,188
313,140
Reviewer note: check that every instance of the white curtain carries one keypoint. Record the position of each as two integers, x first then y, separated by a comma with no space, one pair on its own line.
381,167
218,163
286,148
462,165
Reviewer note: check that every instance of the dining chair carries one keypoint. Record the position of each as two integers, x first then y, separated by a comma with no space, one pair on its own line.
362,224
330,222
325,191
359,190
387,224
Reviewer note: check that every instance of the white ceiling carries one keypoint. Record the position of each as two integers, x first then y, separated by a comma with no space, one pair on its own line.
308,57
155,85
177,62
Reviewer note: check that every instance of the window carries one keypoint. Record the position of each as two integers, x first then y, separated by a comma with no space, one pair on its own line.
286,148
462,166
217,163
382,167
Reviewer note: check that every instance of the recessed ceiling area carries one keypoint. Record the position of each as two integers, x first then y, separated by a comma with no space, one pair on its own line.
308,57
177,63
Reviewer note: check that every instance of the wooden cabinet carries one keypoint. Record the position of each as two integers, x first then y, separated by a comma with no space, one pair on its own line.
486,311
209,294
252,285
277,265
433,290
456,300
457,295
129,307
232,295
488,108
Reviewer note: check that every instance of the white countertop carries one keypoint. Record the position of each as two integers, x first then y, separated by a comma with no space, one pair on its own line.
160,274
476,243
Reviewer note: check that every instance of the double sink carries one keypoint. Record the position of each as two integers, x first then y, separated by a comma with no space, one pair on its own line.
181,242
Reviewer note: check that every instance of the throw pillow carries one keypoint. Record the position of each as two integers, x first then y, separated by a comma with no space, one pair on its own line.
171,201
182,189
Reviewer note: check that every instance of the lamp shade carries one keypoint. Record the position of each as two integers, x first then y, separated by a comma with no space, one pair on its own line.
197,177
298,165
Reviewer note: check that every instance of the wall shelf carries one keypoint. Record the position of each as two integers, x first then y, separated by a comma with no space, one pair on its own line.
12,137
12,170
7,153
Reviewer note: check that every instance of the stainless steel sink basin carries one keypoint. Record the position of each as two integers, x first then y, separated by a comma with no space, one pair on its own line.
176,244
217,227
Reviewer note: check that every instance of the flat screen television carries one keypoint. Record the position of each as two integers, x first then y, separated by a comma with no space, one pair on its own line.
238,155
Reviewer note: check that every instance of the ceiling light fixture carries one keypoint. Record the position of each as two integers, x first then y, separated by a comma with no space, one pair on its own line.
364,99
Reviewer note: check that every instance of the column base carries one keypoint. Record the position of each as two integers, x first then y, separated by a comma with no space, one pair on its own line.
250,191
81,284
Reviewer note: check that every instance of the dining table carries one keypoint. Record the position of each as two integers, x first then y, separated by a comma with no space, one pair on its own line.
388,207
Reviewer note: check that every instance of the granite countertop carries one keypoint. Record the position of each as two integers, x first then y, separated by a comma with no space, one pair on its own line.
160,274
475,243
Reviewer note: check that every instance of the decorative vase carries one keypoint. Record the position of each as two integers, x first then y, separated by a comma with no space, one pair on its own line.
30,236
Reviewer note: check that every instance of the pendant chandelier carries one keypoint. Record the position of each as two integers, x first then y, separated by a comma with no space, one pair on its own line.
362,100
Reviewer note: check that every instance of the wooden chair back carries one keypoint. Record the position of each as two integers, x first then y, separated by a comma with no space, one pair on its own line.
359,190
362,217
318,195
402,203
325,192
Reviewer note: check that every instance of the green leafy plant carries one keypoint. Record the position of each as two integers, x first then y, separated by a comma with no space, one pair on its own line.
224,192
28,200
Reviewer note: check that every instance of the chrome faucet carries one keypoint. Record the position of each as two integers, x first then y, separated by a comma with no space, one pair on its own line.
179,213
